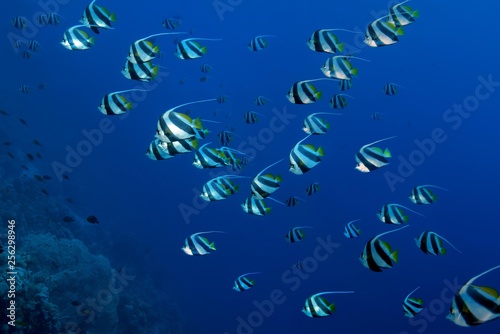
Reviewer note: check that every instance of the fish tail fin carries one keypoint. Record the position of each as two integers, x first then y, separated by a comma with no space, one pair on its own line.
128,105
194,143
321,151
92,40
318,95
112,18
154,72
442,251
354,71
387,153
203,50
399,31
340,47
415,13
395,256
331,307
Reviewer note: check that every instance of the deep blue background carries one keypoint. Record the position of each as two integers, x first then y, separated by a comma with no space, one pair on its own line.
438,61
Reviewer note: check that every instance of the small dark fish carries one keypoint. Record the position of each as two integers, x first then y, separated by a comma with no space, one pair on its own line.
299,265
66,177
24,167
1,249
38,177
68,219
69,200
30,156
39,155
36,142
3,112
76,303
10,155
45,192
92,220
42,85
7,143
23,121
47,177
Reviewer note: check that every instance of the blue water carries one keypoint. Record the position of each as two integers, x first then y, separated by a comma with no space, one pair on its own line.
441,60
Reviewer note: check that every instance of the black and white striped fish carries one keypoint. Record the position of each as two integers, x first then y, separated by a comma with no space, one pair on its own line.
391,88
292,201
141,72
27,54
402,15
143,50
207,157
219,188
339,67
421,195
318,307
345,85
25,89
53,19
351,231
430,243
382,33
205,68
250,117
393,214
323,40
189,49
159,150
303,92
195,245
222,99
412,306
264,185
304,157
225,137
369,158
376,116
338,101
243,283
19,22
377,254
296,234
255,206
312,188
315,125
261,100
77,39
235,163
115,103
173,126
258,43
96,17
214,190
33,45
474,305
172,23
